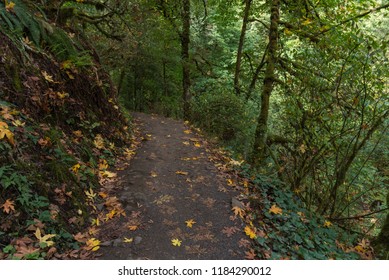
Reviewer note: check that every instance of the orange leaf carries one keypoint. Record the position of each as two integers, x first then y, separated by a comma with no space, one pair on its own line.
238,211
275,210
133,228
8,206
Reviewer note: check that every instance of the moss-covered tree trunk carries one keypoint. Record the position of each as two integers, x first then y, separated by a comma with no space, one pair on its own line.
268,85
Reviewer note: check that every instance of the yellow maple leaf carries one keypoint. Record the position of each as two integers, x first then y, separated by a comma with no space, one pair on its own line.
75,168
327,224
186,143
47,77
129,153
197,144
62,95
250,232
275,210
110,215
238,211
44,239
8,206
18,123
128,240
99,142
182,173
190,223
359,249
187,131
230,182
78,133
176,242
95,222
107,174
6,133
153,174
90,194
93,244
103,164
9,6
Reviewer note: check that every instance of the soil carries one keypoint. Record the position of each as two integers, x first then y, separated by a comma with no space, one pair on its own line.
171,180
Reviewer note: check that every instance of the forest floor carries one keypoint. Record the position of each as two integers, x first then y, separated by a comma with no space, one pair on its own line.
178,203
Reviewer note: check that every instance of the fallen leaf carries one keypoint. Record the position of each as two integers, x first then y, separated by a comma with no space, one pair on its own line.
44,239
18,123
9,6
6,133
103,164
93,244
327,224
230,183
80,237
107,174
187,131
176,242
245,243
238,211
182,173
250,232
133,228
153,174
229,231
99,142
128,240
75,168
275,210
250,255
103,195
197,144
190,223
8,206
90,194
186,143
47,77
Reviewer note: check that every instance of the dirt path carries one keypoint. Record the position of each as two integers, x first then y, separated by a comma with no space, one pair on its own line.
171,181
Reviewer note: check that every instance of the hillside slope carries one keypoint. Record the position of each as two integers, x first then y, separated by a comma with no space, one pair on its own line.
60,130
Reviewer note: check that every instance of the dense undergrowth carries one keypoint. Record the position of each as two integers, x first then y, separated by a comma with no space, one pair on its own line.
60,131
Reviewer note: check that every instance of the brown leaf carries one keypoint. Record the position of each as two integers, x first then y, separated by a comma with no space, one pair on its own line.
229,231
8,206
250,255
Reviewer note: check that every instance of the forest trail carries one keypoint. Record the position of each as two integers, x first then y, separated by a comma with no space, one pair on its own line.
172,191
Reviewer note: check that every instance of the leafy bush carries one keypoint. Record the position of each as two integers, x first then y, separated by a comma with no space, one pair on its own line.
222,115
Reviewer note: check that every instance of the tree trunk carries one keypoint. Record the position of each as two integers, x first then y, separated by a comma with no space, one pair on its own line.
240,47
185,41
268,85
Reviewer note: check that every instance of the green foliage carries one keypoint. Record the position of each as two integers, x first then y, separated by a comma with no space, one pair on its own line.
20,21
297,233
222,114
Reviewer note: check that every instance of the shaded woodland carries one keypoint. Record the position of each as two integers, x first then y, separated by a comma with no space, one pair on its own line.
296,92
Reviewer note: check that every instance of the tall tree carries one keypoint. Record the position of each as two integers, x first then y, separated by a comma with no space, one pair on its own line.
239,54
268,83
